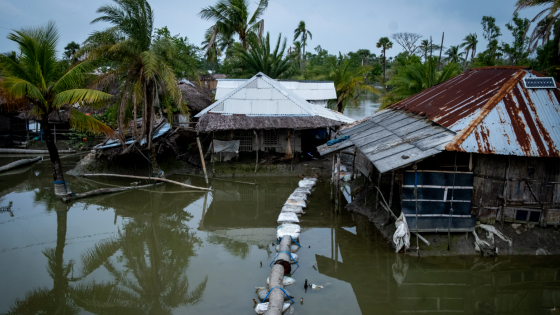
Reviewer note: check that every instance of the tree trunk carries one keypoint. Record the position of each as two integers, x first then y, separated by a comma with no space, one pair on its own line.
60,282
339,106
465,63
150,122
384,62
58,175
19,163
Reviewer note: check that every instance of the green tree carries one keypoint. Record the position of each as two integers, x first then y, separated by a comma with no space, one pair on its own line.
427,46
143,65
233,17
384,43
182,56
518,50
70,50
491,31
36,79
415,77
302,32
297,53
348,81
469,43
453,54
261,58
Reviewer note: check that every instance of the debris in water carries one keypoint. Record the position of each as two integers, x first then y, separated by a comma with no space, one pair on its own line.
541,251
255,301
261,264
305,284
301,301
134,183
316,287
515,226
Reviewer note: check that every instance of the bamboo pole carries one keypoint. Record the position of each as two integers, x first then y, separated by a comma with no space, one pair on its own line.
354,164
101,191
202,159
19,163
337,180
213,158
153,178
26,151
258,147
276,297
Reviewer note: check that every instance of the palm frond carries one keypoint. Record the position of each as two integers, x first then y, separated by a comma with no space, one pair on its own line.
81,121
94,257
16,89
81,96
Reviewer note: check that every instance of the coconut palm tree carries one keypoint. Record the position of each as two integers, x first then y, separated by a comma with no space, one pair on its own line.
233,17
143,66
302,32
35,80
384,43
297,53
348,81
469,42
545,29
416,77
453,54
260,58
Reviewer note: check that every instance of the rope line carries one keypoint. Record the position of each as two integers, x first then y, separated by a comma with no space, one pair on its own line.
280,239
291,257
282,291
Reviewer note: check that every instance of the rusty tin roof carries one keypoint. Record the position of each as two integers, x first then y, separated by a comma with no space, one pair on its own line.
493,113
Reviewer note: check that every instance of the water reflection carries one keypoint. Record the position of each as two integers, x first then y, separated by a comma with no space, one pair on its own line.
368,104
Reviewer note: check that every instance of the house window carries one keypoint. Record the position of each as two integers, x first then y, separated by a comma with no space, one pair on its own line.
246,140
270,138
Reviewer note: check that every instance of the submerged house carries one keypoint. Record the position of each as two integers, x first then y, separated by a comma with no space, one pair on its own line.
481,146
263,114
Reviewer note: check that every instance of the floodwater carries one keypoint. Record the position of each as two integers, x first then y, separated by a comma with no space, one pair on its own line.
169,250
367,104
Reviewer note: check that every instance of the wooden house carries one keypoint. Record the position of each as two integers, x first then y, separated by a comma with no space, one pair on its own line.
481,146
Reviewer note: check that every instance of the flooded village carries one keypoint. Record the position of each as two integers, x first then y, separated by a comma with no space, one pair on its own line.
141,173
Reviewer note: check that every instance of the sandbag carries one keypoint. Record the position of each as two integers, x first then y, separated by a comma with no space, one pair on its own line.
263,307
287,281
313,179
287,217
303,190
306,183
263,291
287,229
293,248
298,196
402,234
294,202
294,209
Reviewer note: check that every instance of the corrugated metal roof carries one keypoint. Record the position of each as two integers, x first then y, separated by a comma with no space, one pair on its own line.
308,90
391,139
262,96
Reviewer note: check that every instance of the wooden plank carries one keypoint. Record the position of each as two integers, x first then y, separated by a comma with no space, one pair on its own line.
367,140
384,116
383,153
433,141
368,133
393,162
410,128
356,129
325,149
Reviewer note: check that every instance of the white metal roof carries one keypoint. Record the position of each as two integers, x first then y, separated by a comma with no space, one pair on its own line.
263,96
308,90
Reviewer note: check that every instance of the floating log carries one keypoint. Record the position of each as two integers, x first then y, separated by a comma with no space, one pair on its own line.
202,159
101,191
26,151
19,163
152,178
276,297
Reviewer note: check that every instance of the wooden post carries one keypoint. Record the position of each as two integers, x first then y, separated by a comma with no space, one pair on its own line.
202,159
258,146
332,177
337,180
391,193
354,164
377,194
213,158
54,132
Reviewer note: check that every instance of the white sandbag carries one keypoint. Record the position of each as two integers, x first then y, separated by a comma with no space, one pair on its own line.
347,177
306,183
287,281
287,217
263,307
297,196
262,293
303,190
311,179
402,234
287,229
294,209
293,248
295,202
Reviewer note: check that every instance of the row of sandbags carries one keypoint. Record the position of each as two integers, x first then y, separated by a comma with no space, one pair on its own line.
288,220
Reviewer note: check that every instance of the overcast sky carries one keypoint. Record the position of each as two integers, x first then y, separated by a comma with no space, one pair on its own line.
343,26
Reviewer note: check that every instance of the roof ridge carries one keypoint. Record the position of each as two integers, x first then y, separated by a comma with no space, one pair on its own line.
287,93
485,110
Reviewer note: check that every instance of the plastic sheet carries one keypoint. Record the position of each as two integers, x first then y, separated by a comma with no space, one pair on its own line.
298,196
263,307
287,281
402,234
287,229
294,209
287,217
263,291
294,202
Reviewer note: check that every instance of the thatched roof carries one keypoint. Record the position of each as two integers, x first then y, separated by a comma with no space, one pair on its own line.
216,122
198,99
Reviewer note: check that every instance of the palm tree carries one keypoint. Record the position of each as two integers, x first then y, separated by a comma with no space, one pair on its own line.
35,80
259,58
232,17
453,54
143,66
384,43
416,77
546,28
469,42
302,32
348,81
297,49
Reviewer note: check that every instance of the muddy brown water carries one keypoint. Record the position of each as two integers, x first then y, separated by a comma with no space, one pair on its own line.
167,251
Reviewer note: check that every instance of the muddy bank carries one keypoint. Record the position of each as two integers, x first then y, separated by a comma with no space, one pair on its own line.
527,239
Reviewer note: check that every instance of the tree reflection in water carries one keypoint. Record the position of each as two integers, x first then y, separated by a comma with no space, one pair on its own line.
147,276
